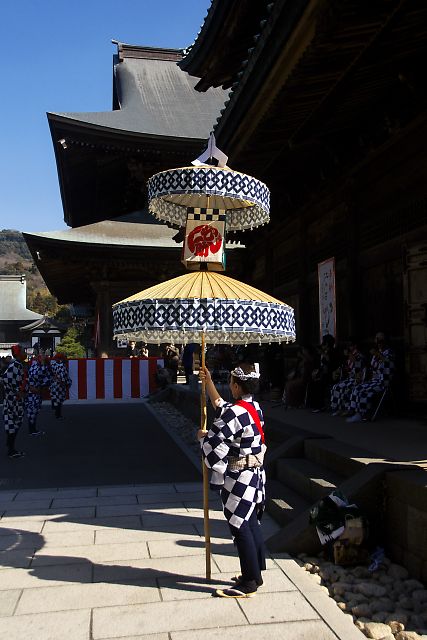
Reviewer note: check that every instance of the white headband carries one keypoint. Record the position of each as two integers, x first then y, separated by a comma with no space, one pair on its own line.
241,375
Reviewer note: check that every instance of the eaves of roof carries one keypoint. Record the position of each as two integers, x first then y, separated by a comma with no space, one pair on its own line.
156,98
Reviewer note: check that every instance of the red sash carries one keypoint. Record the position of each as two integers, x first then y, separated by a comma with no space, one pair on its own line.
254,415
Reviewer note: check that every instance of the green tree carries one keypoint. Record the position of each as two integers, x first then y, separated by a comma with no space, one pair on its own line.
70,344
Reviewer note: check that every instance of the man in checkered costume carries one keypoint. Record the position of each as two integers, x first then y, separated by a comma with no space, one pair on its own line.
60,382
234,449
382,370
37,379
353,372
15,385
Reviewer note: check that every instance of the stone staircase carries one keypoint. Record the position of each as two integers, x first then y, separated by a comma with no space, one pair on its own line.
302,468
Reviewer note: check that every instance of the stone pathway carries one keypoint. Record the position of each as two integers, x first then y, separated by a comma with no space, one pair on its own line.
128,562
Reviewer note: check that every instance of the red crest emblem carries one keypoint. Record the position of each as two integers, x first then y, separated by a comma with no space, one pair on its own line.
203,240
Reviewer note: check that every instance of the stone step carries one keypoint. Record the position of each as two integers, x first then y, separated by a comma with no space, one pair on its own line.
280,431
342,458
308,479
283,504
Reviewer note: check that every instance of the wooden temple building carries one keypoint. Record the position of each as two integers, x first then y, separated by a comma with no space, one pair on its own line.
323,101
115,247
328,106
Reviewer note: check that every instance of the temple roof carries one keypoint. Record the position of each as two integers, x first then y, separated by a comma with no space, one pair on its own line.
70,260
109,232
153,96
158,122
13,296
45,323
228,35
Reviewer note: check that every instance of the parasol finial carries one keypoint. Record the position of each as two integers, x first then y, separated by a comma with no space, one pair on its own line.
210,152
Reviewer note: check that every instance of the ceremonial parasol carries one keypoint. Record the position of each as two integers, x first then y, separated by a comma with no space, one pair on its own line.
244,200
204,307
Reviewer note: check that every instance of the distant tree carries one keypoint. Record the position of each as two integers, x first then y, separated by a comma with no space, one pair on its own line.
70,344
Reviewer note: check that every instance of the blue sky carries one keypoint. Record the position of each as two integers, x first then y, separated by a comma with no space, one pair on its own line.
57,56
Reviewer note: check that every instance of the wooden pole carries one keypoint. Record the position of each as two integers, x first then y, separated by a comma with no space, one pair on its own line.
203,420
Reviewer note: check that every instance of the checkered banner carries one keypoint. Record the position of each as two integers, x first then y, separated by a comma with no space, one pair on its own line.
223,321
204,239
245,199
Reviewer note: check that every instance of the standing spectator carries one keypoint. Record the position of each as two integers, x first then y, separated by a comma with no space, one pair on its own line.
352,373
144,350
187,361
132,350
15,385
60,382
381,374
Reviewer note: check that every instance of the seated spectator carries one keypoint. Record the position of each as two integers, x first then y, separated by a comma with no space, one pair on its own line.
351,373
322,376
163,377
380,377
298,379
171,357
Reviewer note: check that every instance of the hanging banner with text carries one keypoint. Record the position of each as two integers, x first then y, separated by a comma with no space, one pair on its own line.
327,299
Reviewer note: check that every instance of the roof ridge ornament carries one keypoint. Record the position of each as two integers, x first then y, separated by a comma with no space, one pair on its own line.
210,152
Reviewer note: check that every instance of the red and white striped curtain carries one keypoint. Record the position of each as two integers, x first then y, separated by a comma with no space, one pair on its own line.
112,378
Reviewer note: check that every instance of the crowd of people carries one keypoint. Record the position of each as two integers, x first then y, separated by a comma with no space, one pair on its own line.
345,382
23,381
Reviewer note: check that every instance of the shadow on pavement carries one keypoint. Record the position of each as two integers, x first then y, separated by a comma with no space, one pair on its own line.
18,549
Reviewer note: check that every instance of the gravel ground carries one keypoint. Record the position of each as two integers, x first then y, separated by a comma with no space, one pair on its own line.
385,604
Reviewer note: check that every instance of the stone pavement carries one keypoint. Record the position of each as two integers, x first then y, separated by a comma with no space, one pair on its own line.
127,561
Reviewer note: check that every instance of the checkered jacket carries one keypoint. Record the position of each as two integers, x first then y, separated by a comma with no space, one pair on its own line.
59,383
355,364
13,378
235,434
37,375
383,367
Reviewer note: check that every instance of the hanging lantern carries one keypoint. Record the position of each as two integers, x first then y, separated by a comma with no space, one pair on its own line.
244,199
204,239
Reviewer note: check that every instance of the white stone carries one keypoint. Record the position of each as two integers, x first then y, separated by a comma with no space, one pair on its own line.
407,635
349,596
405,602
376,630
398,572
395,625
413,585
361,572
361,610
340,588
382,604
380,616
370,589
401,616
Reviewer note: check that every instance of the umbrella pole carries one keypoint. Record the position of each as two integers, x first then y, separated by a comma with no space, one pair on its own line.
203,420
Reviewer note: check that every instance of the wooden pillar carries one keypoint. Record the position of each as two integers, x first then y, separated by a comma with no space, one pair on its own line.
303,320
353,276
